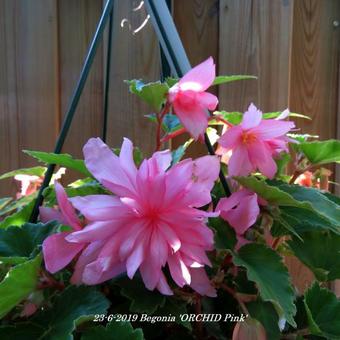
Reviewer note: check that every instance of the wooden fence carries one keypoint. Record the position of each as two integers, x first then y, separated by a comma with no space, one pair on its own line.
291,45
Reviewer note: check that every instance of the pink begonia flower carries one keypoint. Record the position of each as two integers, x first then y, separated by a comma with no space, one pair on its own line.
255,142
57,251
152,220
191,102
240,210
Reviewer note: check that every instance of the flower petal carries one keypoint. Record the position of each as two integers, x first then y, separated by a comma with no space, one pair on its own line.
272,128
100,207
231,138
95,231
208,100
66,208
105,166
200,77
261,156
49,214
163,286
201,283
194,119
58,253
239,163
251,118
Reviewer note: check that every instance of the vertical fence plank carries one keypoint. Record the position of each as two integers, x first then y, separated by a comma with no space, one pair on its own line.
78,20
314,73
197,24
254,39
28,81
135,56
314,66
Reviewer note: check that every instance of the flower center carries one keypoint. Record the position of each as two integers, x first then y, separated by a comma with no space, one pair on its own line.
248,138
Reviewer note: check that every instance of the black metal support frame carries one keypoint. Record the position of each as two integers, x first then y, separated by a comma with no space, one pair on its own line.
175,55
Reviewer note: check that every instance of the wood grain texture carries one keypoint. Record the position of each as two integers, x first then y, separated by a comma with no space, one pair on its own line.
313,88
197,24
135,56
314,65
28,81
78,20
255,39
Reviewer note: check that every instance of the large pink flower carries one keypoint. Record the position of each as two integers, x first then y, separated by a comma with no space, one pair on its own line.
152,220
57,251
254,143
191,102
240,210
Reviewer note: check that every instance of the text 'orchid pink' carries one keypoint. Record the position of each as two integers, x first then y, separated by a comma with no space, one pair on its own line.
255,143
190,101
150,222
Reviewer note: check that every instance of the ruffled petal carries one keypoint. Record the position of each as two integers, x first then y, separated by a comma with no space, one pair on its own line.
100,207
163,286
105,167
201,283
66,208
58,253
95,231
49,214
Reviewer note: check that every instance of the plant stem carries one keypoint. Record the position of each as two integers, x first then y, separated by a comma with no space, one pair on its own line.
160,117
233,293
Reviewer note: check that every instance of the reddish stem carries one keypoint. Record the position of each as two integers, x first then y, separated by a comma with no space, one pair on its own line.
173,135
219,118
160,117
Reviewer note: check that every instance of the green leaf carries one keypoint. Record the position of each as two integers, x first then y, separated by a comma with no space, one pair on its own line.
234,118
273,115
22,242
266,314
302,220
142,300
114,331
283,194
228,79
272,194
64,160
19,217
72,307
36,171
19,282
321,152
323,312
320,251
153,94
18,204
4,202
312,199
225,237
178,154
265,268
